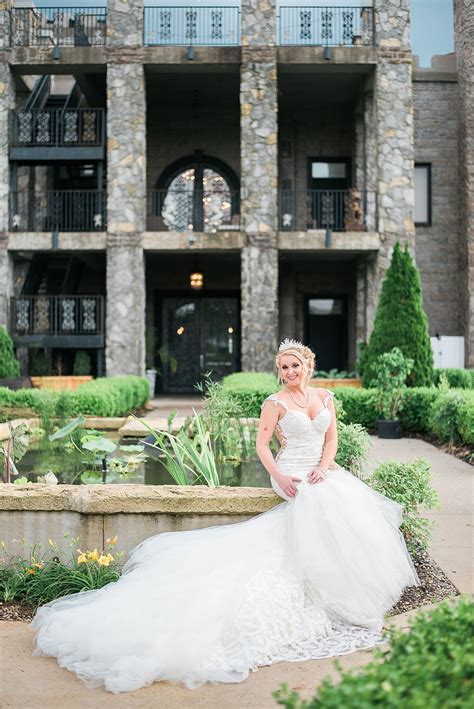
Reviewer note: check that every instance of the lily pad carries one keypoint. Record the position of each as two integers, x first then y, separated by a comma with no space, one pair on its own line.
104,445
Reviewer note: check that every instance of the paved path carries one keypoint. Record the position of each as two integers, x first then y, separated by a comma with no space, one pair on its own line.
38,682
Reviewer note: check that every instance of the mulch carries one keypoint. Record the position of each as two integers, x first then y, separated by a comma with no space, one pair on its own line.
435,587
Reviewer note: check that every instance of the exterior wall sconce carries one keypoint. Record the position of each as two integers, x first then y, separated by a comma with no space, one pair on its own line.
328,53
196,280
56,53
190,53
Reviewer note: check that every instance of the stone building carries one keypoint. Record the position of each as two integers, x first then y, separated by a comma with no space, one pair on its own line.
181,187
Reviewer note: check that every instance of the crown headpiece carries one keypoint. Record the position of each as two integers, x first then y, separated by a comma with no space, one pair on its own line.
288,344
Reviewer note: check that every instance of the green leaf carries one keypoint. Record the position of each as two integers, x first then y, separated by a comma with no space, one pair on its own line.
67,429
132,448
103,445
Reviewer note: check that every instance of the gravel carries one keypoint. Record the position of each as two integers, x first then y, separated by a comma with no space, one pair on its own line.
435,587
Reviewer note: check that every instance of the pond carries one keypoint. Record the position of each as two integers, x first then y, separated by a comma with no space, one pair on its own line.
69,466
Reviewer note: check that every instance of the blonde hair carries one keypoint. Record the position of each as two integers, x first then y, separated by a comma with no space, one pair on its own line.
304,355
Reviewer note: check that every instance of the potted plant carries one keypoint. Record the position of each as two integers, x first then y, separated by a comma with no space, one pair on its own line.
392,369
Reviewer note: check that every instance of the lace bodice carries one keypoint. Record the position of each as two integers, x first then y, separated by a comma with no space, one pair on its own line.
296,424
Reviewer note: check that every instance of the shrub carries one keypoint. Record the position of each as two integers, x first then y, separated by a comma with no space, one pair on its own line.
353,446
456,378
250,389
409,485
391,371
82,363
358,405
9,366
417,403
40,363
465,419
430,667
452,416
400,321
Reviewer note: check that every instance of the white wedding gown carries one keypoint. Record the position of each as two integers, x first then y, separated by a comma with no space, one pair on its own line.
310,578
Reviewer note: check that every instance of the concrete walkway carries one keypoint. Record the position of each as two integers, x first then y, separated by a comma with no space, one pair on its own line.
37,682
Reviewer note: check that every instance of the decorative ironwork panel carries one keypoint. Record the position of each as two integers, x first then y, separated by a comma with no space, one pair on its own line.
89,315
68,314
347,26
22,315
42,314
191,28
165,25
25,126
305,24
67,26
43,134
216,24
186,25
89,133
71,134
326,25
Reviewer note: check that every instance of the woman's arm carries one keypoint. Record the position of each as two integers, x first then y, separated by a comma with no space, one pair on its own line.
268,421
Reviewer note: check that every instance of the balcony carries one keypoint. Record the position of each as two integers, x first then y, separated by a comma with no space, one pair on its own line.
326,26
58,210
335,210
193,210
56,133
192,26
58,320
58,26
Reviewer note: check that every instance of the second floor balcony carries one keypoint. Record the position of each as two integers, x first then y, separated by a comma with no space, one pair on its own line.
58,26
338,210
58,210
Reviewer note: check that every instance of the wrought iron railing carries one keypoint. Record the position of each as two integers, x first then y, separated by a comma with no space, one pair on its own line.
193,210
326,26
58,26
57,127
58,210
192,25
338,210
57,315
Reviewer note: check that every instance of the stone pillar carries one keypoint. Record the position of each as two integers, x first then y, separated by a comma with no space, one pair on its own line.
5,6
393,110
126,184
259,174
464,42
7,102
125,23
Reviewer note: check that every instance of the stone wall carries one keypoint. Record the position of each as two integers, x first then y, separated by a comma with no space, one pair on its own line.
464,42
125,23
437,246
7,101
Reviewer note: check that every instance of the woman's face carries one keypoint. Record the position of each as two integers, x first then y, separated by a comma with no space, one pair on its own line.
291,370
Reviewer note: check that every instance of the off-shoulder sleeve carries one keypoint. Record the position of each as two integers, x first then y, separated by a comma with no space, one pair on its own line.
329,395
276,401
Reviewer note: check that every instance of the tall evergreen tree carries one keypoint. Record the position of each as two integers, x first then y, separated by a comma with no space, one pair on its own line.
9,367
400,321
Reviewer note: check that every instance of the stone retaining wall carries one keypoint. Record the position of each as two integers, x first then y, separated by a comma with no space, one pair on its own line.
38,512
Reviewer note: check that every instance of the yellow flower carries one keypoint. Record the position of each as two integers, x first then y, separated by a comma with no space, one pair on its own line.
3,544
82,559
30,571
110,557
38,566
93,555
112,541
103,560
50,541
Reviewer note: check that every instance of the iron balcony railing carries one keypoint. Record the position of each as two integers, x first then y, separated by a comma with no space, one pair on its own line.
326,26
57,315
193,210
58,26
338,210
58,210
57,127
191,26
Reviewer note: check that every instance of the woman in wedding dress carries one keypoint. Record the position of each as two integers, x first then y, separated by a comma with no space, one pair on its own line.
310,578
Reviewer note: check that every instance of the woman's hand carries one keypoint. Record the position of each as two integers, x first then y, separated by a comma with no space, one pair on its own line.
317,475
288,484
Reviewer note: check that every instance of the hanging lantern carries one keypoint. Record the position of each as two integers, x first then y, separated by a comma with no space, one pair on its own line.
196,280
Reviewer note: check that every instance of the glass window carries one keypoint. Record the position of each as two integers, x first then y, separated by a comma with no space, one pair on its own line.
432,31
423,194
325,306
322,170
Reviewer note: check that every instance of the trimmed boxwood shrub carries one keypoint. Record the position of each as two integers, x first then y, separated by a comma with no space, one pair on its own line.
358,405
250,389
430,667
9,366
457,378
417,403
107,396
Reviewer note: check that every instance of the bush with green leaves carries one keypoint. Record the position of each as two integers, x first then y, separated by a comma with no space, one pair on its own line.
452,416
409,484
9,365
250,389
430,667
456,378
400,321
353,447
82,363
35,577
391,372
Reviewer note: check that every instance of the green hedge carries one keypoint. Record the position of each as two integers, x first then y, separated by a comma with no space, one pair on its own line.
250,389
430,667
108,396
457,378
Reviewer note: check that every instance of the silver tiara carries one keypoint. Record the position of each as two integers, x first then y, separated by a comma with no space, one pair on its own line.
289,345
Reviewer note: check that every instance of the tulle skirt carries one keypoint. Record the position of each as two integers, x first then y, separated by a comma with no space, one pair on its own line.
310,578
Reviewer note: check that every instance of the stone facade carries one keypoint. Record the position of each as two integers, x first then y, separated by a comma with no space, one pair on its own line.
464,42
125,23
126,184
7,101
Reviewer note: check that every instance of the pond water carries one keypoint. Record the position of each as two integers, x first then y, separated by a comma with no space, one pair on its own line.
69,467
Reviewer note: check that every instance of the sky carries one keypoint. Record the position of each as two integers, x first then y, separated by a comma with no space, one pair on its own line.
432,20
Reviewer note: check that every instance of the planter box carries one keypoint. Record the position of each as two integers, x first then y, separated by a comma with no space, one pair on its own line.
389,429
60,382
334,383
20,383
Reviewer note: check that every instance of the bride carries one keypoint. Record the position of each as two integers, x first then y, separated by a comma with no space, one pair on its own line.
310,578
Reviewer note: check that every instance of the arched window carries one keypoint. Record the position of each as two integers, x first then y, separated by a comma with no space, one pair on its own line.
198,193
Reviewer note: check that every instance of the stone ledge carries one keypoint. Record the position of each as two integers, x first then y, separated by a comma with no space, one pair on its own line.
138,499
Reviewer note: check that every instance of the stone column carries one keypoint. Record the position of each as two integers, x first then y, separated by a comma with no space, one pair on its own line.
464,42
7,102
393,111
126,185
259,174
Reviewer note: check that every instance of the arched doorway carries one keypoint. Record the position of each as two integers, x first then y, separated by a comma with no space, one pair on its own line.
197,193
